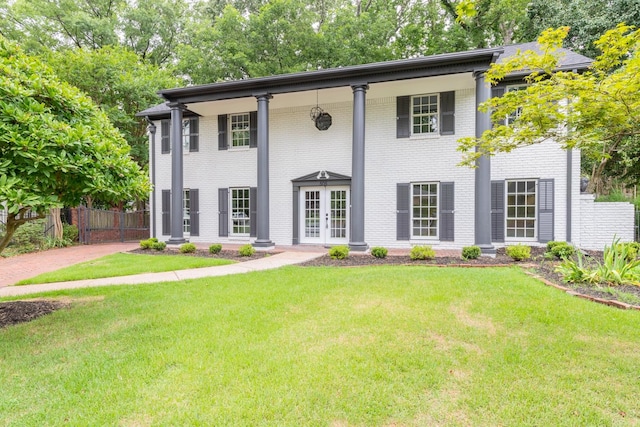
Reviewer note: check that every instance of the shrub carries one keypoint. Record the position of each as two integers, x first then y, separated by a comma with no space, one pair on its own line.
339,252
562,250
69,232
518,252
215,248
422,252
632,250
159,246
615,269
52,242
187,248
146,244
553,243
379,252
246,250
29,237
471,252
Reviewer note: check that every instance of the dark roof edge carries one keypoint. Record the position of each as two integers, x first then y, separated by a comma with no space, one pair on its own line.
353,72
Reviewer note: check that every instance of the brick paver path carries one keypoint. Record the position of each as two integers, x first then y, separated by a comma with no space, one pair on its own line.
16,268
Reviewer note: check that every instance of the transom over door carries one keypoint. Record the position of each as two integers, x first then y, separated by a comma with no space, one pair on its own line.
324,215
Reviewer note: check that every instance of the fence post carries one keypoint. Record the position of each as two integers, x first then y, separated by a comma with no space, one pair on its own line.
122,226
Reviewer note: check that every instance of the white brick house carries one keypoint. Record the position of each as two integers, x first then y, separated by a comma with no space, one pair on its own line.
249,164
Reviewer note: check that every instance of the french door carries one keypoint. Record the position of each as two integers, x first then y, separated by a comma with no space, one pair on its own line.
324,215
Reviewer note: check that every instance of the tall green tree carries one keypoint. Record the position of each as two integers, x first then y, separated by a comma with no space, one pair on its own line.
587,19
597,111
120,83
56,145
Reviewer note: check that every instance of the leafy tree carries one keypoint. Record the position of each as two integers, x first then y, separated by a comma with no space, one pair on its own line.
56,146
119,82
597,111
587,19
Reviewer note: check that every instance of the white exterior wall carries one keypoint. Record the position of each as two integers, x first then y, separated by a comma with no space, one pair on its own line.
546,160
297,148
601,222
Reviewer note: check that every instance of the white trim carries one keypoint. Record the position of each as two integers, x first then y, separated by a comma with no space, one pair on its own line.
436,115
413,237
230,210
231,131
508,238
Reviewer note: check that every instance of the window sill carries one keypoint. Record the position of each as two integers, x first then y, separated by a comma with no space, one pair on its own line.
235,149
425,137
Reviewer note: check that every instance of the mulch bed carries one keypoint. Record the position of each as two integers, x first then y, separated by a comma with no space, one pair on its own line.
23,311
14,312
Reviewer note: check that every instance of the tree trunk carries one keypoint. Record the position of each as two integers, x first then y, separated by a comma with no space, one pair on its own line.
57,223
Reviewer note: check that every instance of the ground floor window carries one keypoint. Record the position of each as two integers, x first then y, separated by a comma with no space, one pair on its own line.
186,211
424,209
240,212
521,209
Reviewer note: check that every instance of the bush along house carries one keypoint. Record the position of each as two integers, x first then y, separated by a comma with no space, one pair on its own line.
362,156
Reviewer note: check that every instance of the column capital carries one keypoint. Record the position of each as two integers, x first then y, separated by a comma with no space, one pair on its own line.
263,96
479,74
360,86
176,106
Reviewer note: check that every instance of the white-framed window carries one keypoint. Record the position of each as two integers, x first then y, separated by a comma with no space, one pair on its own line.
521,209
516,114
186,211
240,211
424,210
188,132
425,114
239,125
186,135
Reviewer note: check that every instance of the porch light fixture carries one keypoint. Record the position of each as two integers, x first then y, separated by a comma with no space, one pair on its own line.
321,118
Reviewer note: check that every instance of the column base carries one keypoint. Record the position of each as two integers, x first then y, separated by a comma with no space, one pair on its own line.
176,241
487,250
358,246
263,244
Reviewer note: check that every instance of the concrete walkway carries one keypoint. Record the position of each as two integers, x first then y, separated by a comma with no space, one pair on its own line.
266,263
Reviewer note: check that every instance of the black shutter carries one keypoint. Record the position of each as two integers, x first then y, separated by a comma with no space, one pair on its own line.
296,215
193,138
223,144
194,212
403,117
447,113
165,137
253,129
223,212
403,227
253,196
446,212
497,92
166,212
497,211
545,210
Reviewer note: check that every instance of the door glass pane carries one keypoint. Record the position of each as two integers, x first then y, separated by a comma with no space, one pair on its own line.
312,214
338,214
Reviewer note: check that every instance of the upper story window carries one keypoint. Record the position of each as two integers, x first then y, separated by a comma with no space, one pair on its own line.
239,129
511,118
190,135
425,114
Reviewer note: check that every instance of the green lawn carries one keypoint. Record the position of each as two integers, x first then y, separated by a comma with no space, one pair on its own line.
123,264
374,346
